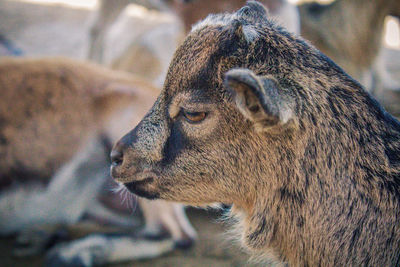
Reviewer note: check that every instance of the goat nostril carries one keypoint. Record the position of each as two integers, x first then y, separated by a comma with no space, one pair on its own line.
116,157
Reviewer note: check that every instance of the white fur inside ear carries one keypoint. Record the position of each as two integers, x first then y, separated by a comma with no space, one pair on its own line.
250,33
241,104
285,115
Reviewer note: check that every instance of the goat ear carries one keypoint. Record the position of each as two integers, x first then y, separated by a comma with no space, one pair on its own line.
253,11
258,98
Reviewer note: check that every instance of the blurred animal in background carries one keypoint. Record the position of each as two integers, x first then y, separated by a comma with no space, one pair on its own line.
58,119
350,32
149,55
192,11
265,121
107,13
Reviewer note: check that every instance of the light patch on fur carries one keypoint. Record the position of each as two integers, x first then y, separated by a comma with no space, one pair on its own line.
176,103
214,20
285,115
249,32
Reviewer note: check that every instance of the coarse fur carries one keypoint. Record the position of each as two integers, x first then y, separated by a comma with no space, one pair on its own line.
309,160
350,32
58,119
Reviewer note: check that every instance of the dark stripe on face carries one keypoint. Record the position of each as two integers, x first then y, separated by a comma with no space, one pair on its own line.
175,144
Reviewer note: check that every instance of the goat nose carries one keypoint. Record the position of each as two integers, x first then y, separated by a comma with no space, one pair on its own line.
117,156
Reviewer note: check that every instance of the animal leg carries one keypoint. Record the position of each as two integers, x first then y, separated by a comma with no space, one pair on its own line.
107,13
102,249
162,216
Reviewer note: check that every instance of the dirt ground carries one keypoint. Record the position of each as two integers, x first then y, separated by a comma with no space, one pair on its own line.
211,250
37,30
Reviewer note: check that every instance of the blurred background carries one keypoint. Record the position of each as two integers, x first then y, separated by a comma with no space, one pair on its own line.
141,38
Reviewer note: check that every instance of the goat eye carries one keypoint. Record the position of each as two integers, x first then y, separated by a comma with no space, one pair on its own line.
194,116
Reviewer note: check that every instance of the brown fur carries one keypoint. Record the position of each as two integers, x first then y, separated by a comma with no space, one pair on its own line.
72,100
307,158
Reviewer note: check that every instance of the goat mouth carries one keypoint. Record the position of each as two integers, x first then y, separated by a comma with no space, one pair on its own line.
138,188
139,175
